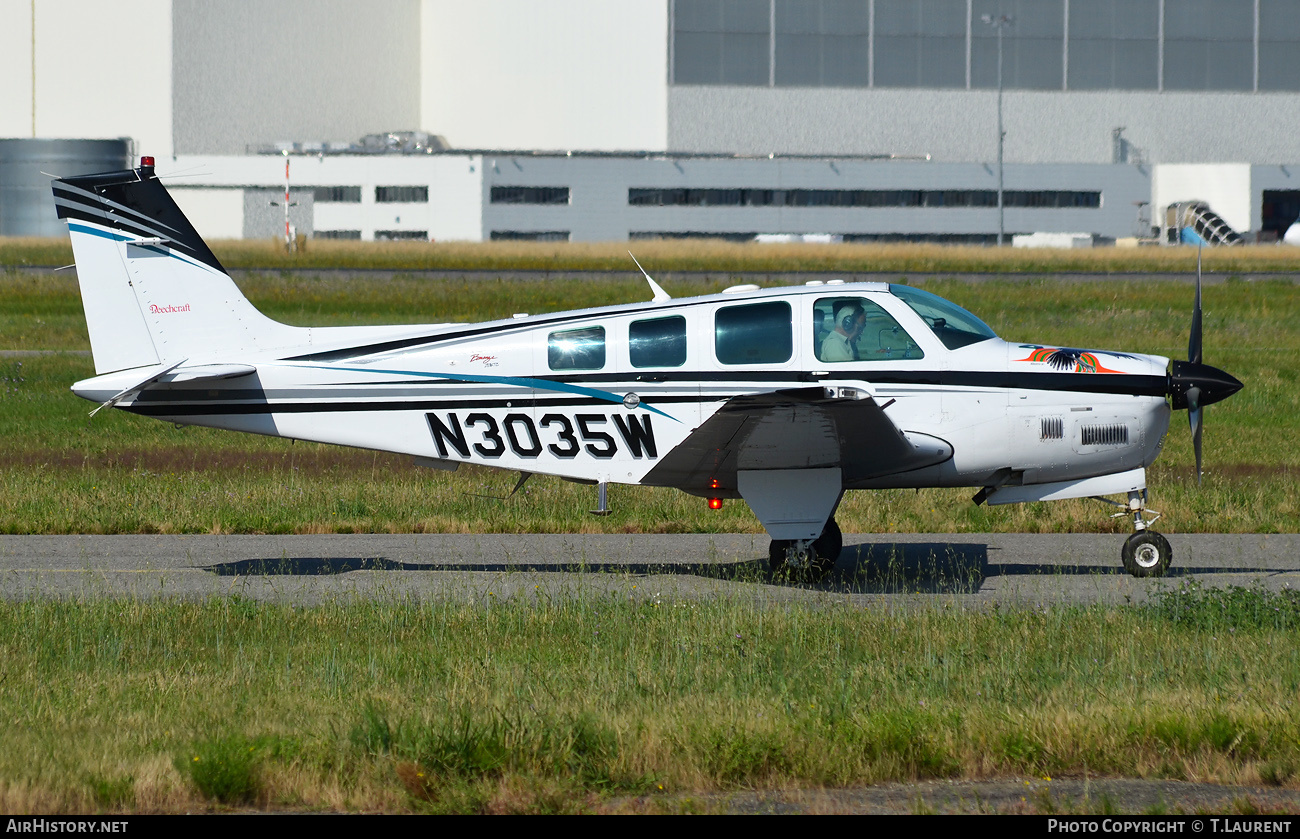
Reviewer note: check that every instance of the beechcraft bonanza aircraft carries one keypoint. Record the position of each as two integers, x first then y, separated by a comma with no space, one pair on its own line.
783,397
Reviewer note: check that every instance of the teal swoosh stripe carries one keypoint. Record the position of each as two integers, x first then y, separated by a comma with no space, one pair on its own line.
118,237
517,381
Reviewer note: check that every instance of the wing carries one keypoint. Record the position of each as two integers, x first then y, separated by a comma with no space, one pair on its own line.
793,429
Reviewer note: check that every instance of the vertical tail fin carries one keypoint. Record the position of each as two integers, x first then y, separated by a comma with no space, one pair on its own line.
152,290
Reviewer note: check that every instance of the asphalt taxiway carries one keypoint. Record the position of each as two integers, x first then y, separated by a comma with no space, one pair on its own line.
971,569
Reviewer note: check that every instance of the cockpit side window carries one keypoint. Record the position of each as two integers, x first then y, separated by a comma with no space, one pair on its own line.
857,329
950,323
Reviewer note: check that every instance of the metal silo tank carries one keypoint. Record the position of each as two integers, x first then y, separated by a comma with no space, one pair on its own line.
26,203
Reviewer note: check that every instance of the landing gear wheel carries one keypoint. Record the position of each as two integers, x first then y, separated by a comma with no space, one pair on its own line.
1147,554
810,561
830,543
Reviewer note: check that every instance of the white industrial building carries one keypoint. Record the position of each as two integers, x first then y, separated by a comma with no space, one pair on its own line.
589,120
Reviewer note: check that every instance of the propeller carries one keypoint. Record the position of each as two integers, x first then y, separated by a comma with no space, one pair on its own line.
1192,384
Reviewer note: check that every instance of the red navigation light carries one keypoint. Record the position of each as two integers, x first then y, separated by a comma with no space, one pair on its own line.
715,503
713,484
146,162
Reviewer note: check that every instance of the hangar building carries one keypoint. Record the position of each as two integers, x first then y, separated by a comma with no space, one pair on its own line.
588,120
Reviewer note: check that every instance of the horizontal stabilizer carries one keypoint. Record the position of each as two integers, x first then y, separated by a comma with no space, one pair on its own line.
144,380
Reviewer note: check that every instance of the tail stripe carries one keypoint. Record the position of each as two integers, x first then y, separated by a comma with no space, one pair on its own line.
143,309
104,234
81,199
139,207
117,224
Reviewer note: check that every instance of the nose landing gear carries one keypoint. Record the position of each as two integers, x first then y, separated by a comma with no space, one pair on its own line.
1146,553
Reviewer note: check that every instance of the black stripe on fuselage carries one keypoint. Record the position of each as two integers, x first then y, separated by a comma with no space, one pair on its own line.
174,403
190,409
1133,384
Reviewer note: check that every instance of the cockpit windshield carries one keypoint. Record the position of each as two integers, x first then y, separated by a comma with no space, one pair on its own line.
952,324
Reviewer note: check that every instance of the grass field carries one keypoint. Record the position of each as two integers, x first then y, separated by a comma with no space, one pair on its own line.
119,473
662,257
473,705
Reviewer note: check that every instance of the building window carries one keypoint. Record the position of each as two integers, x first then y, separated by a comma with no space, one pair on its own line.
337,234
721,42
1210,44
1032,45
653,197
920,43
530,195
1279,45
822,43
760,333
1108,44
529,235
337,194
401,235
577,349
673,197
653,235
660,342
402,194
1114,45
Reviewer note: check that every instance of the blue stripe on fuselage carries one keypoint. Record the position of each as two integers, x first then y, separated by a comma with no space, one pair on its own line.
515,381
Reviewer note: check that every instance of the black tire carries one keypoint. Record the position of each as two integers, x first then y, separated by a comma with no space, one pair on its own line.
822,554
829,544
776,554
1147,554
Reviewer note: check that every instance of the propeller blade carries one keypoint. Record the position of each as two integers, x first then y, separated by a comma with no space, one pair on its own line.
1194,341
1195,419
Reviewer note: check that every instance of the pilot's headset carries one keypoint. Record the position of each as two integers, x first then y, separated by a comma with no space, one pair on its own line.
848,315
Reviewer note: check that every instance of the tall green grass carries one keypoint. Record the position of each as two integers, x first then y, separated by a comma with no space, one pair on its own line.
475,703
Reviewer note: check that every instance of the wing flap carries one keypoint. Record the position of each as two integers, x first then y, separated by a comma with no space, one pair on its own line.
791,429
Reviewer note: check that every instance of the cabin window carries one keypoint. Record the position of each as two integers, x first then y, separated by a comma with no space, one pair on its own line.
577,349
760,333
857,329
660,342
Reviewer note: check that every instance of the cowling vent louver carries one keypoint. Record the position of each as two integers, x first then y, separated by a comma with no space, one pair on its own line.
1104,435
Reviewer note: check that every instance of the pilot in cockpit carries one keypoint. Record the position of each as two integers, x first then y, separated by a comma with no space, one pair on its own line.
841,343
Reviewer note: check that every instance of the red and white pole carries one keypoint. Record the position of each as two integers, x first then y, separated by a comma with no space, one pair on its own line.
288,239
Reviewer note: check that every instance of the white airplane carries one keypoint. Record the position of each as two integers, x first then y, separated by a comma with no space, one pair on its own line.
783,397
1292,234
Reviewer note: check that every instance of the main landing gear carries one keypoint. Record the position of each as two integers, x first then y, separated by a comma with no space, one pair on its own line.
1145,553
811,559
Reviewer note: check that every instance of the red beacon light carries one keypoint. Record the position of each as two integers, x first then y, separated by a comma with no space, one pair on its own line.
715,503
146,166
